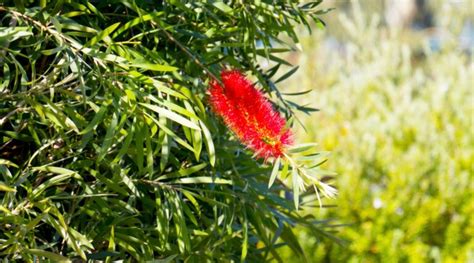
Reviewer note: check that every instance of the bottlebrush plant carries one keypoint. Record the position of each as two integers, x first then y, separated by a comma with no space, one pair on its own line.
108,147
252,118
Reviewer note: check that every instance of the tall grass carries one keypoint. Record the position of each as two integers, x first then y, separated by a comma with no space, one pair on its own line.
397,115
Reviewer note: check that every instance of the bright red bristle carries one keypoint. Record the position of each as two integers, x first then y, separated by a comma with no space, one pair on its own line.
247,112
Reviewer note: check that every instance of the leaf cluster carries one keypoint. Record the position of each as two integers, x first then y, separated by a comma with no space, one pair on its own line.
107,147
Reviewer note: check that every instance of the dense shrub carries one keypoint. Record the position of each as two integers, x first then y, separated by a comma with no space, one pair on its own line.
108,149
401,136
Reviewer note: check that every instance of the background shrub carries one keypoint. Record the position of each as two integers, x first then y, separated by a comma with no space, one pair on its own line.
397,115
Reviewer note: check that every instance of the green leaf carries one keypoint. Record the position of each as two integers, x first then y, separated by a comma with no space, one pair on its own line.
136,21
104,34
165,144
49,255
159,86
152,66
302,147
5,188
209,143
128,182
196,135
296,187
289,237
184,243
184,172
95,121
275,170
63,174
10,34
287,74
222,6
56,170
297,93
125,145
201,180
172,135
245,242
171,115
193,200
7,163
109,137
164,260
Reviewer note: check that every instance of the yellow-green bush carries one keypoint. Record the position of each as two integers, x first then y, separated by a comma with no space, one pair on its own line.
397,115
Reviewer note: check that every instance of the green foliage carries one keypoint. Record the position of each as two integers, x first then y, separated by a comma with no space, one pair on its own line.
107,148
401,136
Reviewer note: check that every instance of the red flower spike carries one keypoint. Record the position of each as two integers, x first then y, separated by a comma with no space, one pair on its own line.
249,115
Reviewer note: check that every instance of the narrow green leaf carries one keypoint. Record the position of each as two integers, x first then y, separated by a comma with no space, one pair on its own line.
296,187
195,134
284,171
275,170
7,163
209,143
289,237
53,181
111,246
128,182
49,255
126,144
152,66
137,21
245,242
171,115
139,155
159,86
287,74
184,172
184,243
193,200
297,93
222,6
79,238
56,170
189,214
173,106
169,132
10,34
165,144
164,260
104,34
197,143
109,137
201,180
102,56
5,188
96,120
149,155
49,52
301,147
206,199
114,186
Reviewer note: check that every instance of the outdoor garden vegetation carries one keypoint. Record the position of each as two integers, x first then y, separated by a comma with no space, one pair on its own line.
397,111
113,146
129,130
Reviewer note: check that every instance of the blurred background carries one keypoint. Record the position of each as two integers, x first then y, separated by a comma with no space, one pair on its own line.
394,80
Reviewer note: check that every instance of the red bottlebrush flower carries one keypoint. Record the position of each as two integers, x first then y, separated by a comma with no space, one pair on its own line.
249,115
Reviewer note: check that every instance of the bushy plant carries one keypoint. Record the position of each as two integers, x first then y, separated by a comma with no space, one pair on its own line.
401,136
108,149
